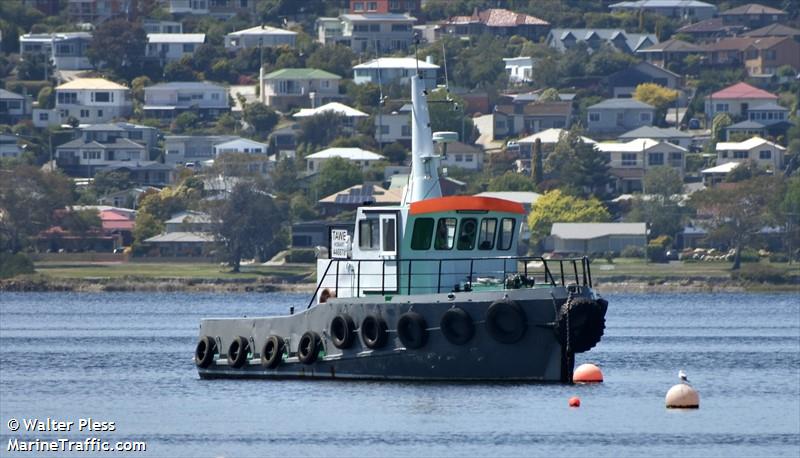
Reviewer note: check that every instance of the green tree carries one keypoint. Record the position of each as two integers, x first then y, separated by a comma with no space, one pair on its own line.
47,98
261,118
718,125
321,129
119,45
451,116
511,181
790,212
557,207
81,222
337,59
106,182
745,171
737,214
335,175
549,95
395,152
35,67
180,70
663,216
246,223
578,165
658,96
284,176
663,181
186,121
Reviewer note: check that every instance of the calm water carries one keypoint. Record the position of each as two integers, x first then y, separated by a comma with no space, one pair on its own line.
127,358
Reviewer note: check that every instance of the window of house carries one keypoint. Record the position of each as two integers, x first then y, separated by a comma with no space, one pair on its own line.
372,6
422,236
360,28
101,96
722,107
374,27
358,6
740,155
405,131
628,159
84,113
724,154
188,47
68,98
487,233
676,159
469,158
43,116
506,235
594,117
215,96
368,234
765,154
655,159
467,233
459,158
400,27
445,234
384,130
99,113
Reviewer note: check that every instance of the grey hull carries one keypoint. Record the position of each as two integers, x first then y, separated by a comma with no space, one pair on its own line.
537,356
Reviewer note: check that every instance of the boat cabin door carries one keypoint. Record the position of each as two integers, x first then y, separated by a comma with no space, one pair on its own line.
388,251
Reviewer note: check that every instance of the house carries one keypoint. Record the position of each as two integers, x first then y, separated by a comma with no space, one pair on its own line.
519,119
387,70
240,146
283,141
66,51
774,30
157,26
692,10
217,8
95,11
262,35
187,234
745,129
763,152
497,21
736,100
619,115
768,114
759,55
349,115
395,126
358,196
386,6
519,69
710,30
669,134
84,157
170,47
564,39
298,87
168,100
144,135
753,15
9,146
374,33
89,100
463,156
629,162
548,138
127,197
667,52
623,83
144,173
361,158
14,107
587,238
717,174
192,149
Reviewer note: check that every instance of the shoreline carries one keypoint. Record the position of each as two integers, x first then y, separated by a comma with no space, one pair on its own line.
618,284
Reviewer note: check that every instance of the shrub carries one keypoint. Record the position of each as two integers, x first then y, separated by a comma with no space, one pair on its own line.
632,251
657,248
778,257
761,273
12,265
749,255
302,256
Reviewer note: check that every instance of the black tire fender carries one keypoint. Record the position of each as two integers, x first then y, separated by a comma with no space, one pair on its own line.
374,332
272,352
342,331
457,326
204,351
238,351
506,321
412,330
308,347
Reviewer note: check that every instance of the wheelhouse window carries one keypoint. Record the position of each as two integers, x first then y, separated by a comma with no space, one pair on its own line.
487,233
388,233
467,234
445,234
506,235
368,234
422,236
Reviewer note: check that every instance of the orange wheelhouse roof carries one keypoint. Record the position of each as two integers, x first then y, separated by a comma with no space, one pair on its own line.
465,203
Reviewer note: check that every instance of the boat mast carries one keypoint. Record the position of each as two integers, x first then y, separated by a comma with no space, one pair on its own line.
424,177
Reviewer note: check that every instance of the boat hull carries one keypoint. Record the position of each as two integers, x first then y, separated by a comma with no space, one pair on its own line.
537,356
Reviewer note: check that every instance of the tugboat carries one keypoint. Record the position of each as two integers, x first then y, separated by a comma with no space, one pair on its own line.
431,289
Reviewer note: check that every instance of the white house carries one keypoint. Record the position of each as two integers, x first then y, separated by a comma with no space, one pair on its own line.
89,100
191,149
9,146
737,100
765,153
463,156
381,33
262,35
67,51
519,69
669,134
350,114
84,157
395,126
169,47
240,145
361,158
692,10
630,161
167,100
386,70
619,115
717,174
300,87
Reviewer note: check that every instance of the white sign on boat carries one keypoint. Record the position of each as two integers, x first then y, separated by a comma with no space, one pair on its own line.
340,244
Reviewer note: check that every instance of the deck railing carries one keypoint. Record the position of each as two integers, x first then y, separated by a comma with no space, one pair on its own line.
358,278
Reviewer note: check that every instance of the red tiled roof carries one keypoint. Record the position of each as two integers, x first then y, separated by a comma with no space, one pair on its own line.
498,17
752,8
743,91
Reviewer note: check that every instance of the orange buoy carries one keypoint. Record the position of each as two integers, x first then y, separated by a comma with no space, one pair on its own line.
682,396
574,401
587,373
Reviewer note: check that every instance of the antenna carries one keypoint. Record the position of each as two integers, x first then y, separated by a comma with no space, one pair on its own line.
381,99
446,82
416,52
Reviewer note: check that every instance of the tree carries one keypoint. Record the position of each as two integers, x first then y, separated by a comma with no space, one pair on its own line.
246,223
106,182
47,98
180,70
261,118
663,216
737,214
186,121
395,152
511,181
284,176
549,95
790,211
578,165
28,197
35,67
137,87
321,129
451,116
663,181
336,174
119,45
557,207
745,171
658,96
337,59
157,207
81,222
718,125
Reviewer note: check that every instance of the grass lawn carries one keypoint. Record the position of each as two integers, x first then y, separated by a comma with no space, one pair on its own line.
677,269
167,270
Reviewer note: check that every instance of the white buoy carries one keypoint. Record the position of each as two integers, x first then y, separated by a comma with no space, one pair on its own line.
682,395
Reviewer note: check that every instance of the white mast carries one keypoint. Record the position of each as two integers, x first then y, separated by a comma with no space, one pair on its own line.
424,178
